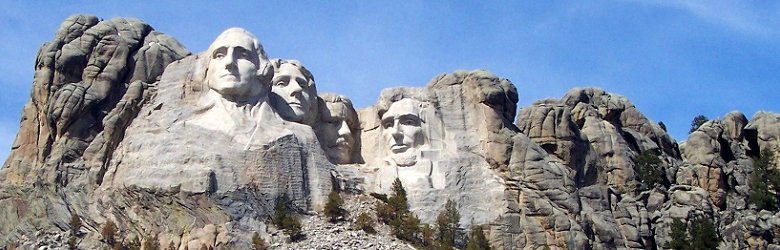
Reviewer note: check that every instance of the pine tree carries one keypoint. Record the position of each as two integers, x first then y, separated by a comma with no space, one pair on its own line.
426,239
477,239
365,222
765,183
697,122
133,244
699,235
678,233
75,226
648,170
287,222
448,224
396,214
333,208
152,243
398,200
662,125
109,231
703,234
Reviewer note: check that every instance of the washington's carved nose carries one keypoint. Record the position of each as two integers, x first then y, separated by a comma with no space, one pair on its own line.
231,65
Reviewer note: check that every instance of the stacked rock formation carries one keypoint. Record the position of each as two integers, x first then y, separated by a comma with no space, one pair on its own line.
109,136
126,125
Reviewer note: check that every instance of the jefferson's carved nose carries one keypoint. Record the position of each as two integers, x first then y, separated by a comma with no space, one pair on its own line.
296,88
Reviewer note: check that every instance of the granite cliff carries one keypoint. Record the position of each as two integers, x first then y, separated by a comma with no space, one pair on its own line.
126,125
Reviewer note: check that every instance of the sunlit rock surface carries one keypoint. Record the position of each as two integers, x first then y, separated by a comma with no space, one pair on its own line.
125,124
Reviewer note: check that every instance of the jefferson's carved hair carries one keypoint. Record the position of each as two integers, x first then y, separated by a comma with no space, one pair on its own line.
277,65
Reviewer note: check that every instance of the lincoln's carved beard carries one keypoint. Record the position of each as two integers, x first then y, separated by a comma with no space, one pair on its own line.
405,159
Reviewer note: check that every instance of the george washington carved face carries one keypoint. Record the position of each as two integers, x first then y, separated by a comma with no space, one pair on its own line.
236,61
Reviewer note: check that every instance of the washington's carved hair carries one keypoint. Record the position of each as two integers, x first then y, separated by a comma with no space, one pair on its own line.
255,42
264,72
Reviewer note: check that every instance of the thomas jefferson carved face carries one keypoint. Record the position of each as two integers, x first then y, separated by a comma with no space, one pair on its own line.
295,93
402,130
234,61
336,130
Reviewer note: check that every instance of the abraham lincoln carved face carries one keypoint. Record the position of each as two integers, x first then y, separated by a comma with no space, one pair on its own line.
403,131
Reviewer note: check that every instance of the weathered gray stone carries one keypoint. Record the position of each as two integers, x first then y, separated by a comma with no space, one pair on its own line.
124,126
436,171
763,132
549,123
121,148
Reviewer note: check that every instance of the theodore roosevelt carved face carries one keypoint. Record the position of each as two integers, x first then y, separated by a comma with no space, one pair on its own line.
403,131
337,129
236,65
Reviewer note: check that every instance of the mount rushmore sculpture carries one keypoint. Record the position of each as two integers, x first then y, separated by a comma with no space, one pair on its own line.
125,125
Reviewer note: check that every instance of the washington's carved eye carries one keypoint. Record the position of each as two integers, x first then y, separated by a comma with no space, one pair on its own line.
244,55
219,53
281,83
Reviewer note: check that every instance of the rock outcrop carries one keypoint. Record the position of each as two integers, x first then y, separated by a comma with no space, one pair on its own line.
112,133
125,125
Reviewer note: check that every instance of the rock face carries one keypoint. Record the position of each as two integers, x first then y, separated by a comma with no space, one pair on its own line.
435,166
124,124
598,136
109,136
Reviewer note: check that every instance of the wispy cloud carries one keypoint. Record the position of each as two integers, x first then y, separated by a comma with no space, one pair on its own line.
743,16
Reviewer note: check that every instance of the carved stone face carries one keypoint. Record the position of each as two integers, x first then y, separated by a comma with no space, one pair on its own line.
402,128
335,131
295,96
233,65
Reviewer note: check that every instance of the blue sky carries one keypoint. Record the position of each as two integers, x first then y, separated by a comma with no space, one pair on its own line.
673,60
